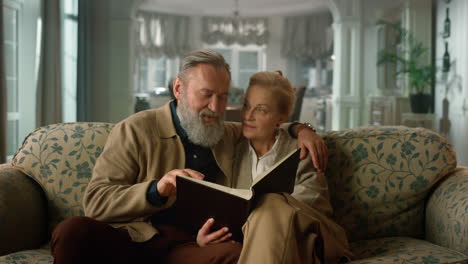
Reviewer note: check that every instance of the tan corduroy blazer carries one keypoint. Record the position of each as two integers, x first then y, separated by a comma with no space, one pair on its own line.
139,150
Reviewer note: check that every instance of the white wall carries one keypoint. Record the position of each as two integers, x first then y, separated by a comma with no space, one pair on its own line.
110,64
455,86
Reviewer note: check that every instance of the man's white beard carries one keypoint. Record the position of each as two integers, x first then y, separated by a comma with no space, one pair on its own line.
206,135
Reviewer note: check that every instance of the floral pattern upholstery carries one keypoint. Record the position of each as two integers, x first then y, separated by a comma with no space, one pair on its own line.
447,213
60,158
37,256
403,250
381,176
379,180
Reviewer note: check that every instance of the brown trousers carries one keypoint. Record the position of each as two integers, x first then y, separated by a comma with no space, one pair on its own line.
85,240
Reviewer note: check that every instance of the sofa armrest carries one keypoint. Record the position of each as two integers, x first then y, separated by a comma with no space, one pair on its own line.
447,212
23,211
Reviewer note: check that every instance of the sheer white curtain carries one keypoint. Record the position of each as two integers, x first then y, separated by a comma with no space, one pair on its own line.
3,95
163,34
307,36
49,90
230,30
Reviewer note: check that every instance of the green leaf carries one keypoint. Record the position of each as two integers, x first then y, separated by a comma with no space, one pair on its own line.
55,161
67,191
90,146
380,146
34,164
381,156
73,153
65,138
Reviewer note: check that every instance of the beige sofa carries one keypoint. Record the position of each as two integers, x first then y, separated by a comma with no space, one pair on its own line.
396,190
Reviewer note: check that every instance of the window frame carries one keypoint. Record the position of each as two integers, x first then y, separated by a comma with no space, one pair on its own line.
236,49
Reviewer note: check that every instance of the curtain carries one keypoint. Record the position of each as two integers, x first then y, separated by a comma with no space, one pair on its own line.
307,36
163,34
230,30
83,87
3,95
49,90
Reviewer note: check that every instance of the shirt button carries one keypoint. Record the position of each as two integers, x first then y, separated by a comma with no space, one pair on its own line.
194,156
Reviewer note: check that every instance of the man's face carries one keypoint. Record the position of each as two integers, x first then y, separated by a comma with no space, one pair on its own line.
201,102
206,88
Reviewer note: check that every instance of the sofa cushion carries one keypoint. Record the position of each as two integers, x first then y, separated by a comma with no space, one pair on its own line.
23,219
403,250
36,256
379,178
60,158
447,212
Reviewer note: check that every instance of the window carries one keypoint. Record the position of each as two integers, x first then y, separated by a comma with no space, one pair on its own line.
153,76
21,26
10,42
69,59
244,61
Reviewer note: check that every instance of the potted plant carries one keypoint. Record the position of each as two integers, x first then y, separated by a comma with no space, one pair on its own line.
409,62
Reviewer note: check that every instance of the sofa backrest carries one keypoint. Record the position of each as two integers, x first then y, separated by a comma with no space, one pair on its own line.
60,158
380,177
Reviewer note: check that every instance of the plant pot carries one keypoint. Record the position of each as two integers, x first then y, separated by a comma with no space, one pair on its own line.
420,103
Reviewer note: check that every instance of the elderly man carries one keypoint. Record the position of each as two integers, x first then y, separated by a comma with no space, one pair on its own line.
134,178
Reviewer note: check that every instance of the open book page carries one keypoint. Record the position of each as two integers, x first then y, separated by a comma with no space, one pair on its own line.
242,193
280,177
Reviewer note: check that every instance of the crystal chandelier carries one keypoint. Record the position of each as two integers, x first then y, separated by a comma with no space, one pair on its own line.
235,29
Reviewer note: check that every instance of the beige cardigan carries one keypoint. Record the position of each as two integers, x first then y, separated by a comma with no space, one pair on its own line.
311,187
139,150
313,208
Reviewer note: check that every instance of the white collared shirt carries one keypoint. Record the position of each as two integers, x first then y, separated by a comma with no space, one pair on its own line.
259,165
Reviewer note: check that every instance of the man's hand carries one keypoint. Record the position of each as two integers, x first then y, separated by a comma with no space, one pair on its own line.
167,184
311,142
204,237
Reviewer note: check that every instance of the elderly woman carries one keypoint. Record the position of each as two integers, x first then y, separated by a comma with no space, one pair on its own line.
295,228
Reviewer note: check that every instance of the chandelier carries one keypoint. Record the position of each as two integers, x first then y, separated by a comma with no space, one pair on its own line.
235,29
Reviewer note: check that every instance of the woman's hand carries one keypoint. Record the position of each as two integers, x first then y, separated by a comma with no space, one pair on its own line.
204,237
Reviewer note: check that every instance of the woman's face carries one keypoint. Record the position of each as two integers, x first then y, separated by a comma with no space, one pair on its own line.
260,114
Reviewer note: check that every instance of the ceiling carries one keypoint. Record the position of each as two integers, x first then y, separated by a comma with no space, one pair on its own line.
227,7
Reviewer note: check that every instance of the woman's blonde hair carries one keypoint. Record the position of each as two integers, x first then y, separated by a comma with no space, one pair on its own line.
279,85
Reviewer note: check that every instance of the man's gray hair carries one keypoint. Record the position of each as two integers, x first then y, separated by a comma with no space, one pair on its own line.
203,56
